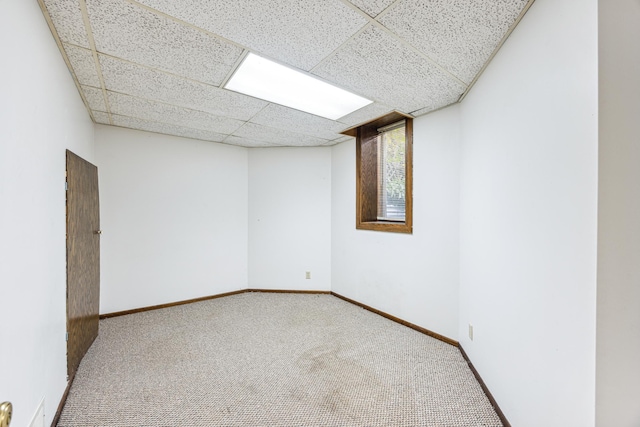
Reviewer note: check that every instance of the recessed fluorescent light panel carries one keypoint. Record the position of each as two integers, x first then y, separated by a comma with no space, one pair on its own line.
273,82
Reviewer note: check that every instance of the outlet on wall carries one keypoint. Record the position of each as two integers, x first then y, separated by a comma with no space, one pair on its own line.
470,331
308,275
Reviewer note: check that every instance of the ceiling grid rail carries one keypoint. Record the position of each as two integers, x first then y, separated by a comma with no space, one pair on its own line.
58,41
94,52
163,66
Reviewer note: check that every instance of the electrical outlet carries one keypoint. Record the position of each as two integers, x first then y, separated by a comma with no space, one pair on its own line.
308,275
470,331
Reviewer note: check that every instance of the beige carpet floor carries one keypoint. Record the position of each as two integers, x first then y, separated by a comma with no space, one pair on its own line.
262,359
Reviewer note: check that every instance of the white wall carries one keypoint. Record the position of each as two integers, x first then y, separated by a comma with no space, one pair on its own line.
290,218
528,218
526,198
41,115
618,335
413,277
174,218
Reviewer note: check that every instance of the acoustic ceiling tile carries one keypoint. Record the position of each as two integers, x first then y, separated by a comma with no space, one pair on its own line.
142,82
380,67
245,142
94,98
100,117
164,128
422,112
372,7
155,111
365,114
131,32
296,32
67,20
83,65
343,139
274,136
459,35
172,69
280,117
338,141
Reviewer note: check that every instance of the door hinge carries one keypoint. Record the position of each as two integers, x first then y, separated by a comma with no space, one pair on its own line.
66,186
66,336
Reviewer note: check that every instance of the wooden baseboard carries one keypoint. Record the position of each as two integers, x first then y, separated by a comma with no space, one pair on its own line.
437,336
172,304
501,415
63,401
285,291
398,320
189,301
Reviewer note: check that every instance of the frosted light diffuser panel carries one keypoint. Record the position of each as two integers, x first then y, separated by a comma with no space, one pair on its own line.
264,79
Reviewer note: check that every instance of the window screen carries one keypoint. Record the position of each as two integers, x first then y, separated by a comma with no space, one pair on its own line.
391,172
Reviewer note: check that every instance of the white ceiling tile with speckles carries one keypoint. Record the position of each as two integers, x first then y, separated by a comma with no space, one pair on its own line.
165,128
372,7
83,64
101,117
378,66
275,136
459,35
162,61
343,139
280,117
126,105
133,33
94,98
142,82
246,142
297,32
421,112
336,142
365,114
68,22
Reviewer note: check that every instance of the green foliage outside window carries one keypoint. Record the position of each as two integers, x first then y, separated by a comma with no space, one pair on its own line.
394,164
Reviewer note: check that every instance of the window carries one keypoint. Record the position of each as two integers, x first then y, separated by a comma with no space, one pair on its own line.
384,174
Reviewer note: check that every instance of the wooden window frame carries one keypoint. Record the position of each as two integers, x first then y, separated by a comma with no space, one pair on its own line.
367,175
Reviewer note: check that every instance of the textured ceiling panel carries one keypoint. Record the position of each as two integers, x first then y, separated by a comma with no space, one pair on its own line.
255,132
94,98
339,141
343,139
277,116
421,112
459,35
162,61
130,32
101,117
67,19
164,128
125,105
83,64
125,77
372,7
365,114
244,142
296,32
378,66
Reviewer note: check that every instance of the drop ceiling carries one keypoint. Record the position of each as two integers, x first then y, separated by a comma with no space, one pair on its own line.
161,65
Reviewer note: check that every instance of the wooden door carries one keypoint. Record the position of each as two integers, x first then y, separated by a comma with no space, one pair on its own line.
83,259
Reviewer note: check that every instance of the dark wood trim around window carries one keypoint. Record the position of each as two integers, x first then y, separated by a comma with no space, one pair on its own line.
367,174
